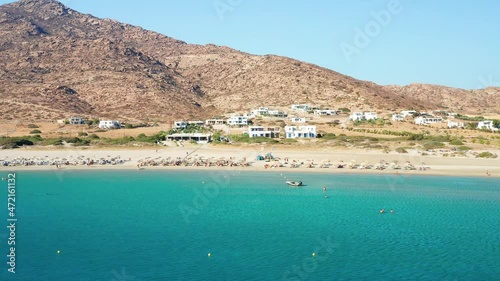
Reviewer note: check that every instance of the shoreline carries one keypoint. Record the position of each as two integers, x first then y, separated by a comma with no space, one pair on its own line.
438,166
289,171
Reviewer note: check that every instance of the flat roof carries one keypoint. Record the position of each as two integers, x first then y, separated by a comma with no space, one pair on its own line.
190,135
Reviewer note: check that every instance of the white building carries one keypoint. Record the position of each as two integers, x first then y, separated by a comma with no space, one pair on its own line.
408,113
421,120
398,117
237,121
196,123
261,111
371,116
297,119
277,113
259,131
294,132
76,121
326,112
197,137
452,124
213,122
180,125
110,124
486,125
356,116
301,107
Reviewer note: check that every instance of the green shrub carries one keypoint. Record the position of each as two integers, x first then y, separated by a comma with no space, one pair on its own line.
11,143
33,126
329,136
92,122
35,132
416,137
93,136
464,148
245,138
82,134
486,154
433,145
456,142
55,142
73,140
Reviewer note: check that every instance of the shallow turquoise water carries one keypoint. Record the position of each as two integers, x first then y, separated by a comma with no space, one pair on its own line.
159,225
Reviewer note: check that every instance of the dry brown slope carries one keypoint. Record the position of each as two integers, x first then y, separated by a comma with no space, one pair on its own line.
53,57
479,101
72,63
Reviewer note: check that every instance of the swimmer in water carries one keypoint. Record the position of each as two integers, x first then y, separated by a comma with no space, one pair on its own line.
382,211
392,211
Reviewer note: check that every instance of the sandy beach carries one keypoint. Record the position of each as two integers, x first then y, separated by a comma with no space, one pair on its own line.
317,161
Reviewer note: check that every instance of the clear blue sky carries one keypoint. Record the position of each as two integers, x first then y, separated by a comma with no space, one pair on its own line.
452,43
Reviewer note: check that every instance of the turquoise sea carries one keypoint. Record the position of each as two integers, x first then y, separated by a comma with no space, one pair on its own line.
162,225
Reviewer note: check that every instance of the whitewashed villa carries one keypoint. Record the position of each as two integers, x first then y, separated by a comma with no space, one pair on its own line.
486,125
238,121
426,120
297,120
356,116
76,121
197,137
453,124
326,112
183,124
408,113
110,124
397,117
370,116
294,132
180,125
259,131
301,107
214,122
261,111
277,113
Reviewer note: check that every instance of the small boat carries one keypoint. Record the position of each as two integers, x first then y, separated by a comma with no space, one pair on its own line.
294,183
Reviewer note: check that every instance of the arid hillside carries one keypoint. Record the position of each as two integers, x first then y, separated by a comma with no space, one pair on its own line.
57,62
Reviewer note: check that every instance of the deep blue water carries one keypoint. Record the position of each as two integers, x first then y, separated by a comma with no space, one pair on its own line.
161,225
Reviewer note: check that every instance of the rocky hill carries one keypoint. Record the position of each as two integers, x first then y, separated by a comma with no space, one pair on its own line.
57,62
